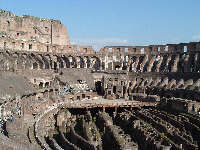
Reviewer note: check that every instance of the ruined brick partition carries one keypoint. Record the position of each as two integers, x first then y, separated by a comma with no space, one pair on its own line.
29,28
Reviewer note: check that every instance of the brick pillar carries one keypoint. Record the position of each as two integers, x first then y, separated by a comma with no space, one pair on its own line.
104,109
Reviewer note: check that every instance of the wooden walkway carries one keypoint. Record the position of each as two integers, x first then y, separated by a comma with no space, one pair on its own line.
100,102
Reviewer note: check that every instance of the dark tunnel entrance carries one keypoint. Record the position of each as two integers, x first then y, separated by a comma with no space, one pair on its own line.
98,86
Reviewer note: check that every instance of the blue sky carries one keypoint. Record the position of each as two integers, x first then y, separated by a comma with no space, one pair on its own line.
118,22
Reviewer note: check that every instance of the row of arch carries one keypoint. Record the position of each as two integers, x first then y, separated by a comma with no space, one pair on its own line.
164,63
133,63
16,61
164,87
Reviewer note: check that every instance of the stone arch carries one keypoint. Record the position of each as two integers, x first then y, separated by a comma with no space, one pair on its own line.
192,63
2,61
27,61
164,64
86,62
117,66
38,60
95,62
61,63
180,83
72,61
21,62
171,62
35,65
66,61
155,63
47,84
98,87
6,60
151,63
133,64
197,62
14,60
41,85
80,62
46,61
55,62
141,58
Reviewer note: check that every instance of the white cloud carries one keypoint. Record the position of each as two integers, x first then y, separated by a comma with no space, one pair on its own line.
99,43
196,38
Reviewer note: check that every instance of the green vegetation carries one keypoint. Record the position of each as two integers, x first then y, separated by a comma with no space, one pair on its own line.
94,119
162,135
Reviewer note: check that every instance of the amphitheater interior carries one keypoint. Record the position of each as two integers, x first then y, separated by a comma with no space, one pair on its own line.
54,95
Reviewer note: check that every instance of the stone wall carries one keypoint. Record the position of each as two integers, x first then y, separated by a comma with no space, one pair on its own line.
153,49
29,28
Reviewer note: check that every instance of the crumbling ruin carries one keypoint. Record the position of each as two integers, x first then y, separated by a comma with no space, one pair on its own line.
54,95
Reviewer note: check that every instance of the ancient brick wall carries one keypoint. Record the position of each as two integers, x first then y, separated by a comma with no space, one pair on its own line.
29,28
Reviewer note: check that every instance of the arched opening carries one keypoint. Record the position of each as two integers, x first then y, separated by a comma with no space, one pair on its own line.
166,48
71,61
81,62
67,63
193,108
117,67
142,50
35,65
30,46
46,29
185,49
98,86
114,89
22,45
83,95
96,65
41,64
86,62
47,84
7,24
46,64
78,98
55,66
159,49
41,85
124,91
61,64
4,44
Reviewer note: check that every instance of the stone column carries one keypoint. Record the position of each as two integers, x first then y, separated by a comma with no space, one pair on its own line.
159,64
186,64
104,109
100,67
174,66
91,63
85,62
112,66
78,61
